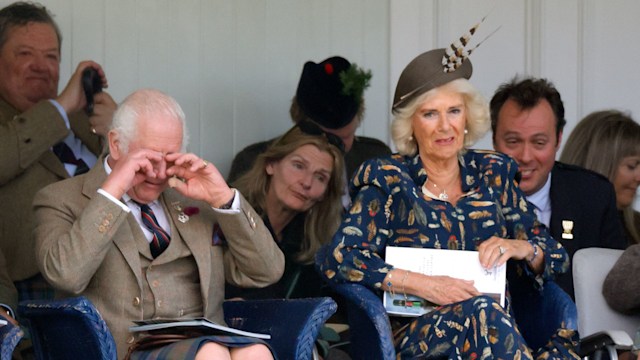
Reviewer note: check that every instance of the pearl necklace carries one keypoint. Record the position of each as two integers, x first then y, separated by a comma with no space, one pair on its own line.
443,194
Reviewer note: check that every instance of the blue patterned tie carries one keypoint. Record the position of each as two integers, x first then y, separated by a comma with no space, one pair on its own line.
160,239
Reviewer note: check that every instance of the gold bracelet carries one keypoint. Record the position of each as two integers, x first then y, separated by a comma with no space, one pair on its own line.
404,278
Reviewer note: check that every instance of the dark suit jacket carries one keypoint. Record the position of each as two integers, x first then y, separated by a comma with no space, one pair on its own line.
363,148
588,200
26,166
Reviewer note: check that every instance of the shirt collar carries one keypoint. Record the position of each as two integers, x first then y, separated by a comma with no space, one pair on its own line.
541,198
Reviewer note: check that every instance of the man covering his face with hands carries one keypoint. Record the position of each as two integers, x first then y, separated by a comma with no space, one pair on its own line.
141,233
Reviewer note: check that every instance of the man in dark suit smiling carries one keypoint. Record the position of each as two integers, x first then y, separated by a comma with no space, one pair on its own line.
577,205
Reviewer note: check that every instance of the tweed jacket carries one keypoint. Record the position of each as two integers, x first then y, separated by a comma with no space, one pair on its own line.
87,245
26,166
587,201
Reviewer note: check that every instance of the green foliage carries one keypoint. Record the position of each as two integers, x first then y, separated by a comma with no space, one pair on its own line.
354,81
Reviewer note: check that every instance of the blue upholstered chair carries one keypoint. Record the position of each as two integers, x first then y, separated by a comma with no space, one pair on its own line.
67,329
10,335
73,329
294,324
538,315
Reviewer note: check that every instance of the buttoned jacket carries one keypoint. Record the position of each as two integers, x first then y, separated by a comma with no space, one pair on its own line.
86,245
27,165
583,214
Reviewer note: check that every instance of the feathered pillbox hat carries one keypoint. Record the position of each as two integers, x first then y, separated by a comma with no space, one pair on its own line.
435,68
331,92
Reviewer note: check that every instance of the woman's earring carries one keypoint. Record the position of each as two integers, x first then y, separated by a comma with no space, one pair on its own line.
466,131
410,138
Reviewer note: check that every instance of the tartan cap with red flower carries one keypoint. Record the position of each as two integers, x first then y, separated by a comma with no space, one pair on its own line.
330,92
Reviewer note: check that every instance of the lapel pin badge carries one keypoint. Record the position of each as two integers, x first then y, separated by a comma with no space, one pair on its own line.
185,213
182,217
567,229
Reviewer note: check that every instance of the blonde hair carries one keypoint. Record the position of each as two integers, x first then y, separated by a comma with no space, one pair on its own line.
600,142
477,122
323,218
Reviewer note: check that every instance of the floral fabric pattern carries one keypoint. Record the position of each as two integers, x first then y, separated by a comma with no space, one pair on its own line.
389,208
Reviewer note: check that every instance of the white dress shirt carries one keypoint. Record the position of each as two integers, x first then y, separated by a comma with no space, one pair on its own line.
541,200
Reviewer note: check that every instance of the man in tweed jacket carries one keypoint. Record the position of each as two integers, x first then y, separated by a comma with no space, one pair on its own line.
90,237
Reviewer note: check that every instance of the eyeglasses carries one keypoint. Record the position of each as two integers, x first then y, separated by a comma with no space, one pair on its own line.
311,128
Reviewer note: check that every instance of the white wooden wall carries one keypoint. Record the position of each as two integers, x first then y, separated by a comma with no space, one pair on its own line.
234,64
586,47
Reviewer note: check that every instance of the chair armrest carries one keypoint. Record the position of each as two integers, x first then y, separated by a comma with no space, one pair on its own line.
369,327
70,328
370,333
602,340
293,324
10,335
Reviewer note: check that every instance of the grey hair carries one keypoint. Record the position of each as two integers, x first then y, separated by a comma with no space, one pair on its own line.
148,102
478,120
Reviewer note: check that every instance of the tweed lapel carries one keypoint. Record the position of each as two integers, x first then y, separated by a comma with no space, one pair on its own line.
48,160
125,238
196,232
51,162
7,112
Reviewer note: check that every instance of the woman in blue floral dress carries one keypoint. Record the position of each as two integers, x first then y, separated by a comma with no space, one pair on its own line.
436,193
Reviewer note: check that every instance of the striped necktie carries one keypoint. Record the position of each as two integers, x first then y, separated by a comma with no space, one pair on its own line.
160,239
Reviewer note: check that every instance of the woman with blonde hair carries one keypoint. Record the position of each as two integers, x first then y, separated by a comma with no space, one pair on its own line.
296,186
608,142
438,193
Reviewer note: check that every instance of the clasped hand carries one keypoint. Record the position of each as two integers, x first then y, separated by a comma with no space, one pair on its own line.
496,251
72,99
190,175
493,252
198,179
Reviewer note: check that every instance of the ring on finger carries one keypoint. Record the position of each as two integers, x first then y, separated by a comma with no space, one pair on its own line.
502,250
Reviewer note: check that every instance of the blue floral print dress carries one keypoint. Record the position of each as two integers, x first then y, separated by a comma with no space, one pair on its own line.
390,209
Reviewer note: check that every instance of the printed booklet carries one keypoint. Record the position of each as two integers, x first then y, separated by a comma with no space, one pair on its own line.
454,263
205,326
